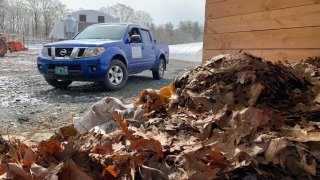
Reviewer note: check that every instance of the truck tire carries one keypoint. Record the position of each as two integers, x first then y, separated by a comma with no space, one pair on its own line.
3,47
58,83
159,72
116,76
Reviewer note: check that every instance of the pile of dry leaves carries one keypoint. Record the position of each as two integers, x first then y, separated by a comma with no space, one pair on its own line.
236,116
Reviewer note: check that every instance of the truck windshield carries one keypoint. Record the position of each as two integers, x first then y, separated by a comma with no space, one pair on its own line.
112,32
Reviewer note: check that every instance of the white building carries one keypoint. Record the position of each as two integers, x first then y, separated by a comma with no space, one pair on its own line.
77,21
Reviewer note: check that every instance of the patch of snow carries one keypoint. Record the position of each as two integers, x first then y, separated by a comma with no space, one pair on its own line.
188,52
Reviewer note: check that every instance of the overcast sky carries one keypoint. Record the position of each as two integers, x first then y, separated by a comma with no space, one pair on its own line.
162,11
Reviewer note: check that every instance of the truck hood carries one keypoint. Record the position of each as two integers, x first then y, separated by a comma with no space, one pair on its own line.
82,43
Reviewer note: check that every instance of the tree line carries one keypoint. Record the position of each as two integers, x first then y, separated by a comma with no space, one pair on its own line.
185,32
37,17
30,17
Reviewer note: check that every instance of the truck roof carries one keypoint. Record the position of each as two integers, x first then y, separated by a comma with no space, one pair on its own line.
126,24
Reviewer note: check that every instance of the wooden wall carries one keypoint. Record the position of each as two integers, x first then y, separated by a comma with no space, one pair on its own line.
273,29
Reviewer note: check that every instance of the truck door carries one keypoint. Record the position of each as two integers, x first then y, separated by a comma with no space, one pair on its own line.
137,60
148,48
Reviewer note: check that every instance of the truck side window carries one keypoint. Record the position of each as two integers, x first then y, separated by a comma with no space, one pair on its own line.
134,39
134,31
146,36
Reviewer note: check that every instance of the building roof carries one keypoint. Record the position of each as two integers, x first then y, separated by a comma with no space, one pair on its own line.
58,31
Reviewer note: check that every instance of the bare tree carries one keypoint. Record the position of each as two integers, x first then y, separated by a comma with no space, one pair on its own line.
143,18
170,31
34,7
52,11
3,8
30,17
121,12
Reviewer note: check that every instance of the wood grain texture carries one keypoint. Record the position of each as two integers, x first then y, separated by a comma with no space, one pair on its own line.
302,16
272,55
213,1
270,39
239,7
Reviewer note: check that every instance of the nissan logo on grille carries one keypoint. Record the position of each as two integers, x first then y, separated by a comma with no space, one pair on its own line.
63,52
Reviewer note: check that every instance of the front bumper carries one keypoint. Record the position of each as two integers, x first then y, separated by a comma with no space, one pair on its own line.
86,69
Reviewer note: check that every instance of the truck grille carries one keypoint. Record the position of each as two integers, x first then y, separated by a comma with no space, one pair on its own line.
63,52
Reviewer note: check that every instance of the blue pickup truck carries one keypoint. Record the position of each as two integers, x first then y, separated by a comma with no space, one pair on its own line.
106,53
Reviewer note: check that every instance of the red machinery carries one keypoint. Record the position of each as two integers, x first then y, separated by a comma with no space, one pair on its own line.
7,44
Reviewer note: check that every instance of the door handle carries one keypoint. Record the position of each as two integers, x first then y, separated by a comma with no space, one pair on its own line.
152,47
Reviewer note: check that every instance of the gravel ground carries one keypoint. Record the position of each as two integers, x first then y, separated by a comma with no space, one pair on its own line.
29,104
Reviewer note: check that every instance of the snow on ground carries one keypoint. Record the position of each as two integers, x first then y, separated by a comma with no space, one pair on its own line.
34,46
188,52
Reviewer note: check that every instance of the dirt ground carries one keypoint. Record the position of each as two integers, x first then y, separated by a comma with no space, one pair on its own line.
28,104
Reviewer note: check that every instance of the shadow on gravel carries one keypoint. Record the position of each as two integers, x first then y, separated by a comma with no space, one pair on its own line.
91,92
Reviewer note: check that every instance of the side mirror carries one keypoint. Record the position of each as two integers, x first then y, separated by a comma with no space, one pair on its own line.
135,39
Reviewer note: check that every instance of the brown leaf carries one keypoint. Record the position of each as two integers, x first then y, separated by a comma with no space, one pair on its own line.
17,170
166,92
113,171
29,158
216,158
122,125
153,99
3,169
198,170
68,131
49,147
301,167
249,120
39,172
149,144
255,91
315,149
15,154
152,173
68,170
276,145
102,149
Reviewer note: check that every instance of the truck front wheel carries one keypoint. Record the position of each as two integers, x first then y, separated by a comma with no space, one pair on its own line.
58,83
159,72
116,77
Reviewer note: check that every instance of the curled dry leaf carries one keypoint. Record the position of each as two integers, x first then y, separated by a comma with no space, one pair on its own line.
49,147
148,144
153,99
68,170
68,131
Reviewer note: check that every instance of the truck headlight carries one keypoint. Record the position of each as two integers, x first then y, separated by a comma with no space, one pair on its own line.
44,52
93,51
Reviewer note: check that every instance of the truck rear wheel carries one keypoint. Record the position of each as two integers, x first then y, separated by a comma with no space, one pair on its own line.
116,77
159,72
3,47
58,83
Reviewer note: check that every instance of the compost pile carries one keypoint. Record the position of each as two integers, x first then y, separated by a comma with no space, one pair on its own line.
236,116
308,67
